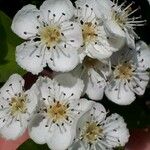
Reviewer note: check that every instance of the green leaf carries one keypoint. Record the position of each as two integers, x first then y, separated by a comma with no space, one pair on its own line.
8,43
29,144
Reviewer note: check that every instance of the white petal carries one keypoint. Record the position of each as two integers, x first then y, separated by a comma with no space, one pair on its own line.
71,86
140,82
57,7
37,130
72,33
32,95
99,51
143,54
116,130
14,130
85,106
88,9
13,85
104,7
130,40
30,56
119,93
25,22
99,112
95,86
61,141
114,30
63,59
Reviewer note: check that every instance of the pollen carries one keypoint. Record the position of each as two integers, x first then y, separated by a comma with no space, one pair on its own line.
88,32
18,105
50,35
92,132
124,71
57,112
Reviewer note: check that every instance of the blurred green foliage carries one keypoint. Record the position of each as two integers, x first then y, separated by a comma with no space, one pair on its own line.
8,43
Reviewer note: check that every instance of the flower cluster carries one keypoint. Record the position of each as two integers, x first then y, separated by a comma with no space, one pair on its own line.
93,49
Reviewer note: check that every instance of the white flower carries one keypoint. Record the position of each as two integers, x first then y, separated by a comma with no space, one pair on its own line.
16,107
97,132
119,20
51,39
94,73
128,77
59,110
95,39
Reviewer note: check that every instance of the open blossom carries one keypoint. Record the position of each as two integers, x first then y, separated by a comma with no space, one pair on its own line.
129,76
51,38
95,39
16,107
94,73
120,20
95,131
60,107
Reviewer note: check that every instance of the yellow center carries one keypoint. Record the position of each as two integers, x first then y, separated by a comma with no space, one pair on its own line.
92,132
90,62
88,32
124,71
50,35
18,105
57,111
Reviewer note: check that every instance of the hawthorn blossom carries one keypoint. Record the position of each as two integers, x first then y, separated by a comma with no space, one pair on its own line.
129,76
51,37
94,73
95,40
16,107
119,20
96,131
60,107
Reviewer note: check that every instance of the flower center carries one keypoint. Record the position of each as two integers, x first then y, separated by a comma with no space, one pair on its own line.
18,105
90,62
50,35
119,18
57,111
88,32
123,16
124,71
92,132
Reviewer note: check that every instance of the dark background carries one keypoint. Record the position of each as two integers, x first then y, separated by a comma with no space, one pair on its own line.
10,7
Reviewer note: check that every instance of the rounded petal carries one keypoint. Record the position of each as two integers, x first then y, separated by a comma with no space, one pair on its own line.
143,54
70,85
104,8
59,8
119,93
98,111
30,56
113,28
25,22
37,129
62,140
116,130
63,59
95,86
32,95
13,130
13,85
98,51
72,33
117,37
140,82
